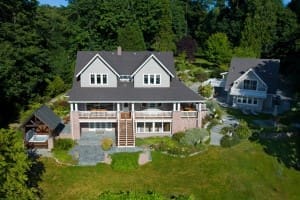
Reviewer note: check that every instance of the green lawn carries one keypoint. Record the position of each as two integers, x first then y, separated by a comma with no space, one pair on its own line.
244,171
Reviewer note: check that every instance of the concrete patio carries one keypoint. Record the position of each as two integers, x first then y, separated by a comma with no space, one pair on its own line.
88,150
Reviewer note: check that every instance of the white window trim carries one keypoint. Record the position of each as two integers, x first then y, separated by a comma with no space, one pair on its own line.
91,79
250,81
153,127
155,77
242,98
96,77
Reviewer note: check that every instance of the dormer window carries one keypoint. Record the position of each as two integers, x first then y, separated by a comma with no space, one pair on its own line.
250,84
98,79
125,78
151,79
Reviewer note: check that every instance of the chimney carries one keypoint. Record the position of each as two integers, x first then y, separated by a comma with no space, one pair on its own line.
119,51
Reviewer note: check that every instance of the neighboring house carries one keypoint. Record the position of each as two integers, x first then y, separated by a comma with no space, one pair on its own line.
252,85
134,94
40,128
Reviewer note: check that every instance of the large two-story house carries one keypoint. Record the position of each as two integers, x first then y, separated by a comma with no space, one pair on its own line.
134,94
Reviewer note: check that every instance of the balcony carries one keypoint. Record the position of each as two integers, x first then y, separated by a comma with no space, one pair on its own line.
248,93
97,114
153,114
189,114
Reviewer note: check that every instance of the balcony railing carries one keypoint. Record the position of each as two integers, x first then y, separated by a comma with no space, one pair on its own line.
248,93
153,114
189,114
97,114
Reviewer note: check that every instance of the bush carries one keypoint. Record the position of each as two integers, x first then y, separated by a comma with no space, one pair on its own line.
195,136
177,136
106,144
64,144
205,90
55,87
227,129
125,161
242,130
229,141
215,109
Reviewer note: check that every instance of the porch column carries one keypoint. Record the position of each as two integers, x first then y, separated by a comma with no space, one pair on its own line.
76,107
178,109
132,110
71,107
174,106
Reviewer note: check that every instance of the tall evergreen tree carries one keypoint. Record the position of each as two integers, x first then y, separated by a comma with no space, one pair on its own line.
14,165
131,38
164,40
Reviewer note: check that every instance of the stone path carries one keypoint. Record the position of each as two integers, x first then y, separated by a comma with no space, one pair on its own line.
88,150
215,136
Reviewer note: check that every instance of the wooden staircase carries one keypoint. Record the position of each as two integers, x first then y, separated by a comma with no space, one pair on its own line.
126,137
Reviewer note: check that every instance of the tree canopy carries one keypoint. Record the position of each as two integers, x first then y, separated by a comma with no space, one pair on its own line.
39,43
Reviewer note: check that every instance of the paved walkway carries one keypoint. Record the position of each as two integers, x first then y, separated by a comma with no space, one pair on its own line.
88,150
215,136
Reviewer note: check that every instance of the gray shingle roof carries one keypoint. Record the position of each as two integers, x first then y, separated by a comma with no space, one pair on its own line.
127,62
125,92
46,115
266,69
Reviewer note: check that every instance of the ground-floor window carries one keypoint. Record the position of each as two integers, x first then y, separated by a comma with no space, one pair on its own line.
153,127
246,100
94,126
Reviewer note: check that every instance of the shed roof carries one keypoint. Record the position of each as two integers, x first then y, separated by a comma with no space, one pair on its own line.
46,115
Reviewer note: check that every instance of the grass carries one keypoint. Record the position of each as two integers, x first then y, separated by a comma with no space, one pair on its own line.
125,161
244,171
63,156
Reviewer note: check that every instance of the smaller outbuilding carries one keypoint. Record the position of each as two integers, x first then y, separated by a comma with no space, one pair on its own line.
41,128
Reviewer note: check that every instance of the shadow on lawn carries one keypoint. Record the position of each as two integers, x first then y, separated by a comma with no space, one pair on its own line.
284,146
35,173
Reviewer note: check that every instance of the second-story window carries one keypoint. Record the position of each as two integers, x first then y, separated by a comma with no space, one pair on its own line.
98,79
152,79
250,84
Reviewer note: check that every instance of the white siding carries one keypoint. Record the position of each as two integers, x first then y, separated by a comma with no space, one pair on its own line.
249,76
98,67
152,67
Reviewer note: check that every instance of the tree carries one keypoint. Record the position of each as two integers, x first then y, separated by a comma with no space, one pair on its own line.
131,38
242,130
164,40
14,164
187,45
206,90
218,49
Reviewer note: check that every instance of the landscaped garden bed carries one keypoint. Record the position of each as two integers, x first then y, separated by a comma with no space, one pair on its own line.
180,144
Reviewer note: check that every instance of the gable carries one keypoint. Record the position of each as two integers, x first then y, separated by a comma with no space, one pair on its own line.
97,66
250,75
47,116
266,69
152,57
96,58
154,68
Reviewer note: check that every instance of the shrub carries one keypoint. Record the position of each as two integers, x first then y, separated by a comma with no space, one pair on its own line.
226,130
215,109
205,90
106,143
63,144
125,161
195,136
177,136
229,141
242,130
